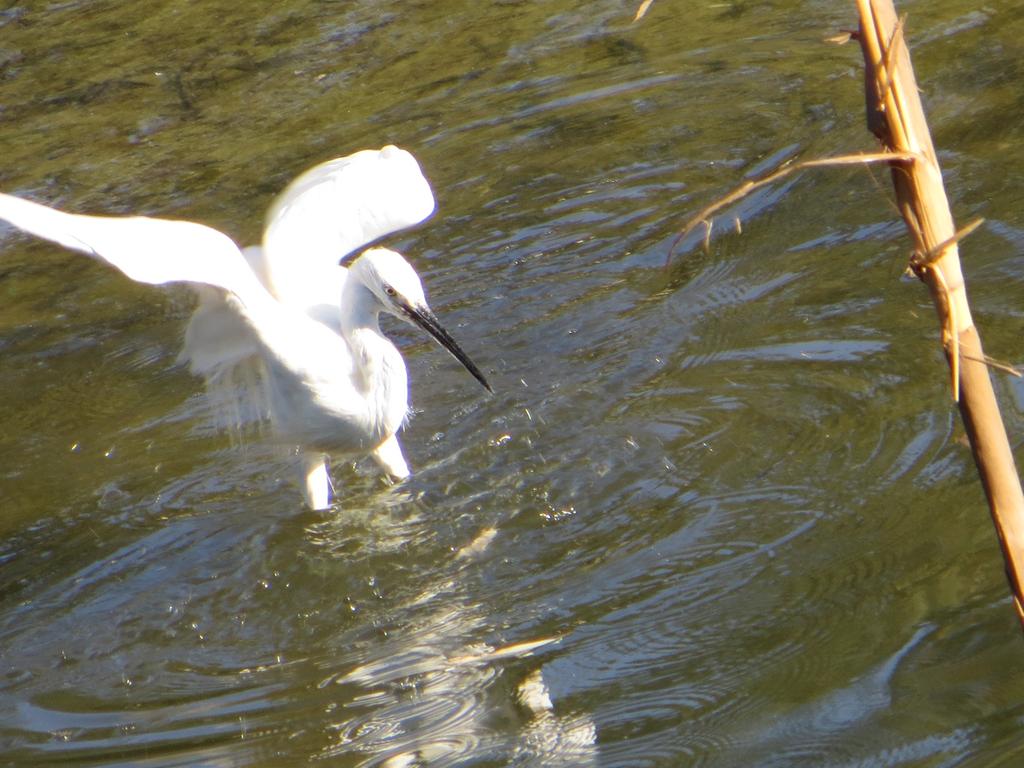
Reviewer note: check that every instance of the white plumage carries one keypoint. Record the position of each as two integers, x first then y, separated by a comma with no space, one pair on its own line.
285,314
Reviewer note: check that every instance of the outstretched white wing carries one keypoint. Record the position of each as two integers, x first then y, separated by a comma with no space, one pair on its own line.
333,210
330,211
154,251
161,251
220,343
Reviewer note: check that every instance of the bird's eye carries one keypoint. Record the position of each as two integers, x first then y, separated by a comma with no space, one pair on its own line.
390,291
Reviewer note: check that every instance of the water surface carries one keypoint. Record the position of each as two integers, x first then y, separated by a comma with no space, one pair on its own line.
731,493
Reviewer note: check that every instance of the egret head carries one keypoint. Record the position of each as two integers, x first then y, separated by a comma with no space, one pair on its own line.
397,288
391,279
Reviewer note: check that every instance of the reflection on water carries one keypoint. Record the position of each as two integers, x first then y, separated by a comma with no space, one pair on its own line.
424,694
718,512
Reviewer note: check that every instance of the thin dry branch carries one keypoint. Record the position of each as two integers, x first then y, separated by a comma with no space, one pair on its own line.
744,189
920,262
999,365
927,259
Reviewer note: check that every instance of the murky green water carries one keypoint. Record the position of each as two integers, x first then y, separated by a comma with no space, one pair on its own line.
735,488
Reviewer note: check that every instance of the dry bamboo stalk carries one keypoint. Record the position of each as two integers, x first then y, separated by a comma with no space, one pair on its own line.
895,115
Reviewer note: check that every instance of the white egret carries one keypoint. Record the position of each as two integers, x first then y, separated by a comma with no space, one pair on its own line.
287,312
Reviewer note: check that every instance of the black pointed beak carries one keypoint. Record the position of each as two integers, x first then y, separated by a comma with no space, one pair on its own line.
427,320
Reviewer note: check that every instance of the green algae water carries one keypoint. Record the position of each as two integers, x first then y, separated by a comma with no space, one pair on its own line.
725,493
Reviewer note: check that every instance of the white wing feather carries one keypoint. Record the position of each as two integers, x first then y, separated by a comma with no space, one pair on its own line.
328,212
154,251
158,252
220,343
332,210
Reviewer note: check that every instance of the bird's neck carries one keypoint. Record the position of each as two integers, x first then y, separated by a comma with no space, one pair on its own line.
378,369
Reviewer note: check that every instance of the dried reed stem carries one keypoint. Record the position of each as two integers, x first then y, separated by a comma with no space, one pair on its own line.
896,117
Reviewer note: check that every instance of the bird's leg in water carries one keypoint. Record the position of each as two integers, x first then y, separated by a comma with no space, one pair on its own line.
388,456
316,482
